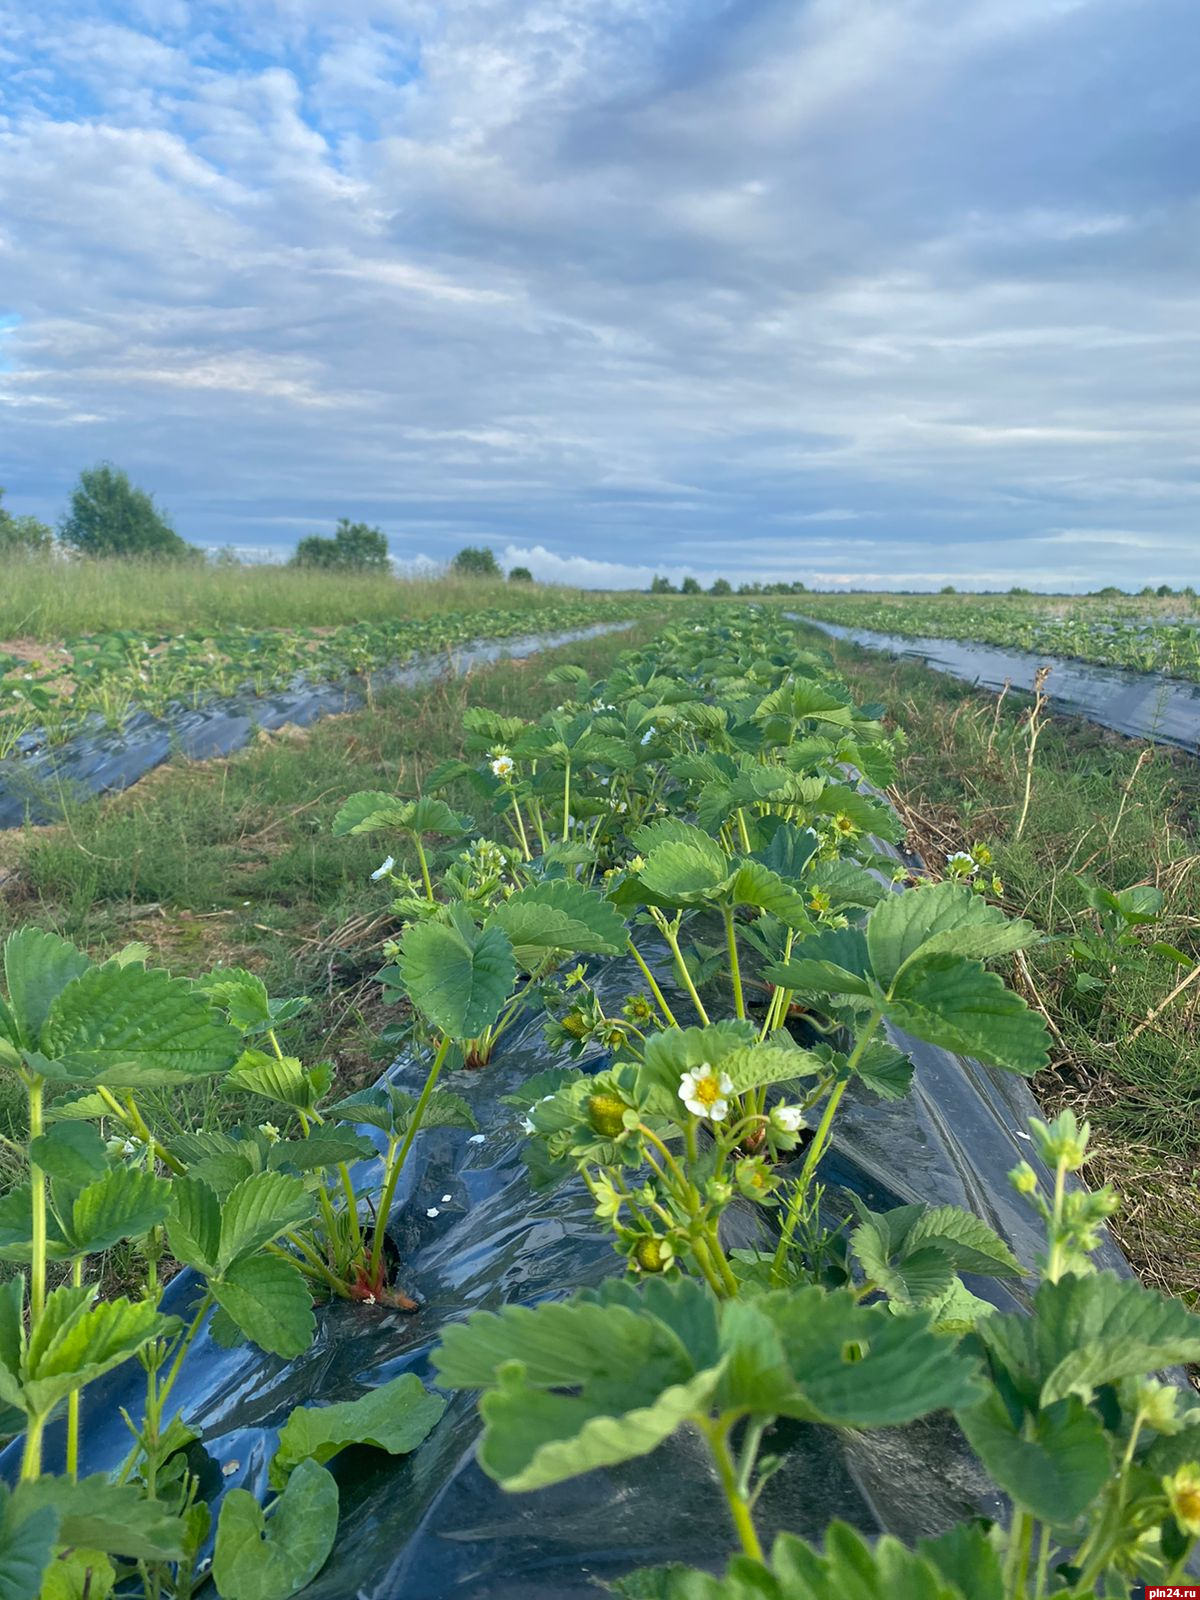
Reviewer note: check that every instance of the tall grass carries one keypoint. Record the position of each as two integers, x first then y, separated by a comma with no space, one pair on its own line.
58,599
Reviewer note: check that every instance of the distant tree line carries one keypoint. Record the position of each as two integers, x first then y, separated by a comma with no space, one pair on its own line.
723,586
109,516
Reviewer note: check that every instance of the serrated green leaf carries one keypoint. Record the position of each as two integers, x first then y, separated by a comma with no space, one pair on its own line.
751,1067
961,1006
367,812
269,1300
936,919
72,1152
77,1574
858,1366
966,1239
394,1417
241,994
887,1072
325,1146
1054,1467
283,1079
99,1515
27,1538
272,1555
457,975
1096,1329
124,1204
756,885
833,962
257,1212
535,1438
561,915
38,966
126,1026
194,1227
684,873
87,1342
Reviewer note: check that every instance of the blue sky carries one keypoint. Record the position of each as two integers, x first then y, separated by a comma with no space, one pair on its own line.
857,291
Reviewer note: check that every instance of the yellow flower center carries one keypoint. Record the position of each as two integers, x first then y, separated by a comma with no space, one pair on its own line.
708,1091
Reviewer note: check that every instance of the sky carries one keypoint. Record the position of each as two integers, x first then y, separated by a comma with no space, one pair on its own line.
878,293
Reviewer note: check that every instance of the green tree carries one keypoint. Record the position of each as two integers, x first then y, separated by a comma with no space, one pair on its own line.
690,586
476,562
662,586
24,536
947,588
355,547
109,517
721,586
520,575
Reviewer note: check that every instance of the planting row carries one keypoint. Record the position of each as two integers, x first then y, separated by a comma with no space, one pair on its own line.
693,820
1110,634
51,693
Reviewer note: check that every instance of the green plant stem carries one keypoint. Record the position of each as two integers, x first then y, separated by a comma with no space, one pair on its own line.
396,1165
132,1120
735,970
424,868
654,988
37,1183
739,1506
566,802
31,1460
74,1397
685,976
520,827
1016,1567
742,832
1054,1260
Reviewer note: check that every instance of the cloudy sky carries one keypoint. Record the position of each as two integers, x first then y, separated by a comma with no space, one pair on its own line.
856,291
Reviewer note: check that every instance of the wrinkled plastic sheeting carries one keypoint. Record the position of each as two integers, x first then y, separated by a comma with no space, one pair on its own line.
471,1232
1143,705
33,787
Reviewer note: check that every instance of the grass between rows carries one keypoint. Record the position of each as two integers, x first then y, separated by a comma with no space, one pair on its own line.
233,861
1119,811
58,599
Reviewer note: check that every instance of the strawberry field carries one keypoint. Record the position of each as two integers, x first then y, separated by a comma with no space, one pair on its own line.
701,1236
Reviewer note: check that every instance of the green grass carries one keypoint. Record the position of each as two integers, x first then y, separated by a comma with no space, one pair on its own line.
233,860
1094,809
58,599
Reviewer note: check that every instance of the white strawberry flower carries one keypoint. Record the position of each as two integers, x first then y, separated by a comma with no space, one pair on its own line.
705,1092
502,767
649,734
382,872
788,1119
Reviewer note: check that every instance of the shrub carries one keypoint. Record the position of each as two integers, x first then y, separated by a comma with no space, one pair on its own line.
109,517
355,547
520,575
476,562
23,535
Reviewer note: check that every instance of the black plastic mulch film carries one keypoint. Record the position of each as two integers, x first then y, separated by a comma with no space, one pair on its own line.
33,787
471,1232
1144,705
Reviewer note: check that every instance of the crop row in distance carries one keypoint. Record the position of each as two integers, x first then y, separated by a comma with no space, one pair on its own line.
690,814
98,681
1146,636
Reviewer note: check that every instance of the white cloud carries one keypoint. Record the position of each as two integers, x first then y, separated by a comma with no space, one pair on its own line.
619,284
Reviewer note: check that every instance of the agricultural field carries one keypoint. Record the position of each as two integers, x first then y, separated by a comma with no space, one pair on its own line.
1142,633
56,683
595,1092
